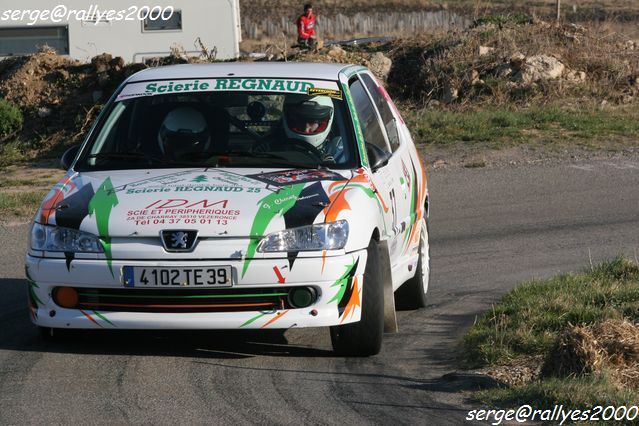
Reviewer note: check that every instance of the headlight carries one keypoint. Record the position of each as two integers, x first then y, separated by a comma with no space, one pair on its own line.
54,238
327,236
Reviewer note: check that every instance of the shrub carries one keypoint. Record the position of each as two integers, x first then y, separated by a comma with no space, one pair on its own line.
10,118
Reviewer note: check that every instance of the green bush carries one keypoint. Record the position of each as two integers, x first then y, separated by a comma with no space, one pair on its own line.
10,118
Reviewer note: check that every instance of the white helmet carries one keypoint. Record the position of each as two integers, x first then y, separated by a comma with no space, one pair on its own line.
183,131
308,119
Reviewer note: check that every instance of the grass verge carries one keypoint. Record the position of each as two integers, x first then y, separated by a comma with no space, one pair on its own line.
22,189
533,318
592,128
19,205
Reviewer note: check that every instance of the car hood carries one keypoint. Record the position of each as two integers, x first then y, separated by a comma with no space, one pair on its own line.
219,202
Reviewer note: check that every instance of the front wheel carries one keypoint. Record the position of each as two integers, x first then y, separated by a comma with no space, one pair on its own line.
364,338
413,293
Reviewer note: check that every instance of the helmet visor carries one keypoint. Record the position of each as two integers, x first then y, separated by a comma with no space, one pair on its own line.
308,126
183,142
308,118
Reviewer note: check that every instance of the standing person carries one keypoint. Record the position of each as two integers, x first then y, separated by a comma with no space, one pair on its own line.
306,28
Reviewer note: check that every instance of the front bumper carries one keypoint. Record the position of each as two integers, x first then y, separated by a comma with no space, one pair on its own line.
338,280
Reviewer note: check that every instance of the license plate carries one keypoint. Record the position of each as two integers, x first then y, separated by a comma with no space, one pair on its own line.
212,276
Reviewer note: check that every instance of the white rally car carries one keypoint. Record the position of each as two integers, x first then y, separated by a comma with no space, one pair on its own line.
237,196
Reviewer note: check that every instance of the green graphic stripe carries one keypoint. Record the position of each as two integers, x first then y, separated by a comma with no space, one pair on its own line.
358,129
101,205
270,206
352,70
215,296
413,205
258,316
33,294
342,282
103,318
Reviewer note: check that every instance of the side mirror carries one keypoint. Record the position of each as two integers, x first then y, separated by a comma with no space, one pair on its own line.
68,157
377,157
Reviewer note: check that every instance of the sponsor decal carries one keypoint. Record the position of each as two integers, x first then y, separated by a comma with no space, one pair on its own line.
174,211
333,93
135,90
287,177
193,181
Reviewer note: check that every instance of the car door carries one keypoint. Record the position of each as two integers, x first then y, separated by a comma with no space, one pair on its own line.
384,178
404,172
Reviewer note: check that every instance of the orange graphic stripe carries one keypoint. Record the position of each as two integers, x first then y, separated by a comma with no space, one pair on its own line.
364,178
337,204
353,301
337,183
48,206
275,318
323,260
90,318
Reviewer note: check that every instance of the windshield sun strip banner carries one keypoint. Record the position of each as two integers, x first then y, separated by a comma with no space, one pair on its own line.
307,87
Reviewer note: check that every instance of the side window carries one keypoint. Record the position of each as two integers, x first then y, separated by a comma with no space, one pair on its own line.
163,22
384,110
368,118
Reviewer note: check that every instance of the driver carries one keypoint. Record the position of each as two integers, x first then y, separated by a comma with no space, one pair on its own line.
183,132
307,119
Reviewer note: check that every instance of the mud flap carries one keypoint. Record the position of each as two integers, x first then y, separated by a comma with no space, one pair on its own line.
390,318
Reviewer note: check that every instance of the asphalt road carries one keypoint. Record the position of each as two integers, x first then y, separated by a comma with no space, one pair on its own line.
490,228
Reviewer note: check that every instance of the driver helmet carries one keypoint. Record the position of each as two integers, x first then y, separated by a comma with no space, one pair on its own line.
184,131
308,119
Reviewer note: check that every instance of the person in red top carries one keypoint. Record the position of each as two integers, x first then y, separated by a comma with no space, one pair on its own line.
306,28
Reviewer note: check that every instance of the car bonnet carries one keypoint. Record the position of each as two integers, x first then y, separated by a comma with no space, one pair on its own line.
216,202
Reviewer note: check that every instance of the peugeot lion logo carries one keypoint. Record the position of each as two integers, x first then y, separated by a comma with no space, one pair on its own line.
178,240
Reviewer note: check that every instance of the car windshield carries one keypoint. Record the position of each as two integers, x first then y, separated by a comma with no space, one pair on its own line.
222,129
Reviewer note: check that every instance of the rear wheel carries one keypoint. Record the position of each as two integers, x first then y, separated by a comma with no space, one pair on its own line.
413,293
364,338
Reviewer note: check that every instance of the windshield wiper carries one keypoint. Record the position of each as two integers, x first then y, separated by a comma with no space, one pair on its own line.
141,156
271,155
125,156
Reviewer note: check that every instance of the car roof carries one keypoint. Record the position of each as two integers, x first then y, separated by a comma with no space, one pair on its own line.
298,70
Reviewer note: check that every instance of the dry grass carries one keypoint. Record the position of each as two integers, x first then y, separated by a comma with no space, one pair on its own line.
439,64
611,346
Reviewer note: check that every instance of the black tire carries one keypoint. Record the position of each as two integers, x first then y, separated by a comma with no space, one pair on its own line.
364,338
412,294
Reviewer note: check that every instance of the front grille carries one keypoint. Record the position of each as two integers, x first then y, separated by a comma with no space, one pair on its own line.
183,300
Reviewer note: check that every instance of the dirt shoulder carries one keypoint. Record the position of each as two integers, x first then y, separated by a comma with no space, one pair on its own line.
464,156
22,188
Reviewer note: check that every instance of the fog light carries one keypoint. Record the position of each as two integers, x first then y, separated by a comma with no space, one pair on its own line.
66,297
301,297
